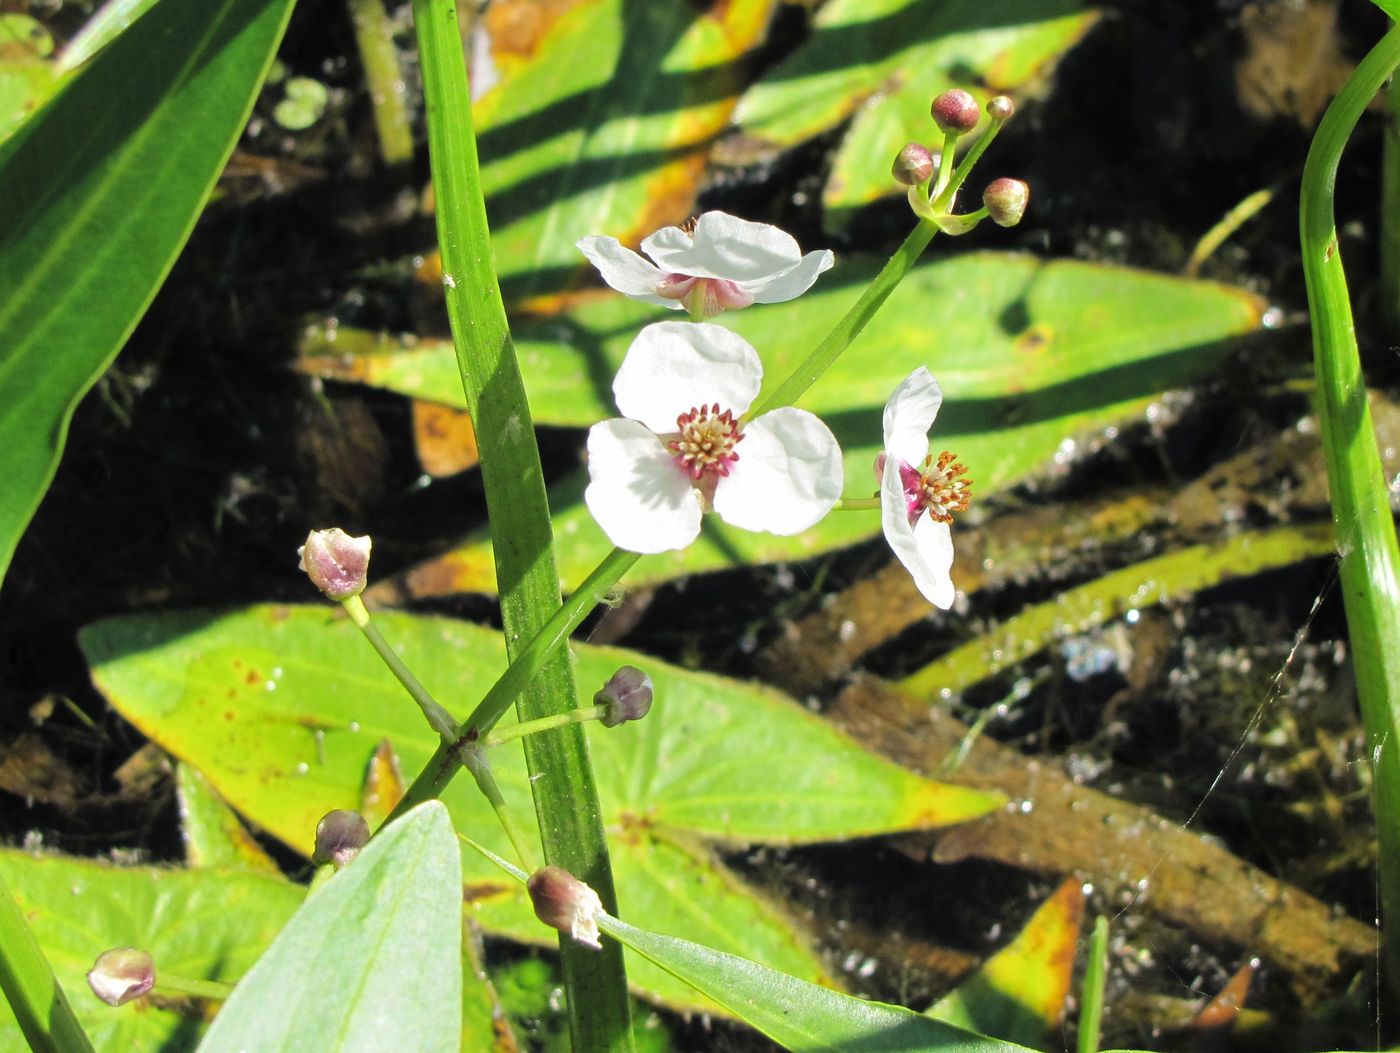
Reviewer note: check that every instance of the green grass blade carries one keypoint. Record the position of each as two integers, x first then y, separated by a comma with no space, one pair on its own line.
28,983
566,801
1365,528
1092,996
98,193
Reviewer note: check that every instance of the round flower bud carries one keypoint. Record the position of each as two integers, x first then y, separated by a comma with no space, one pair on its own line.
955,112
1000,108
627,694
565,903
914,165
336,563
339,837
122,974
1006,201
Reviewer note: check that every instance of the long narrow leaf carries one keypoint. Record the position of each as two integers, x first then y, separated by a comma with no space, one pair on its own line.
98,194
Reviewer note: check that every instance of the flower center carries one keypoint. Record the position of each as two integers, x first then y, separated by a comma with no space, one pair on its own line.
705,445
938,488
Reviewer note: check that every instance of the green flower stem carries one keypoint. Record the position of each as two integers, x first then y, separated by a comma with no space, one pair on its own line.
374,36
213,990
857,504
947,161
943,201
439,719
1091,995
474,759
28,983
534,727
819,361
527,576
1361,516
438,772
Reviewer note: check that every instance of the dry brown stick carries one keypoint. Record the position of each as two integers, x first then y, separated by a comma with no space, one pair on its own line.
1186,879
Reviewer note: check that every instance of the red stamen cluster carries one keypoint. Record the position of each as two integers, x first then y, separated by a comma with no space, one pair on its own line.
942,487
706,441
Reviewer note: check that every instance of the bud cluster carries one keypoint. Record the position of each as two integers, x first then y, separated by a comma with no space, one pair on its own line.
930,177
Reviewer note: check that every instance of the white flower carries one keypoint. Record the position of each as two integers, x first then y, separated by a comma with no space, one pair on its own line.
684,387
918,494
715,263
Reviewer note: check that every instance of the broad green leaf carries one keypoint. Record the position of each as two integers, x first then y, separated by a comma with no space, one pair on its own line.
98,193
1087,606
1030,355
881,64
208,925
283,709
798,1015
601,122
372,960
214,836
1019,992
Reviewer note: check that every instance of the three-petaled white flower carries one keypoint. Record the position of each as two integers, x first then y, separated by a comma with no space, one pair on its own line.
712,264
684,388
918,493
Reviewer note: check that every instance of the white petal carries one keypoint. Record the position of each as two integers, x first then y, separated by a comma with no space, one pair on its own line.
788,474
624,270
794,281
909,414
672,367
724,246
925,549
640,497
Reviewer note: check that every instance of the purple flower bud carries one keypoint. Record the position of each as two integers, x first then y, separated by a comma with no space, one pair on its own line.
565,903
1006,201
1000,108
955,112
914,165
627,694
339,837
335,562
122,974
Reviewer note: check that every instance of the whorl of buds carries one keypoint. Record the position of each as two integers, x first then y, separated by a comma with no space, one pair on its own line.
336,563
955,112
565,903
1006,201
1000,108
627,696
122,974
339,837
914,165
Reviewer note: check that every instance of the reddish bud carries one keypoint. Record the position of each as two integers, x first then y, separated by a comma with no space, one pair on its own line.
122,974
914,165
1006,201
336,563
565,903
339,837
955,112
627,694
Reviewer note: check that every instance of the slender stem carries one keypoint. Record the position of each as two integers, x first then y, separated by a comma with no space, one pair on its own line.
943,201
1228,224
438,772
1361,516
1091,997
533,727
27,980
562,781
857,504
474,759
214,990
439,719
856,319
374,36
947,161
